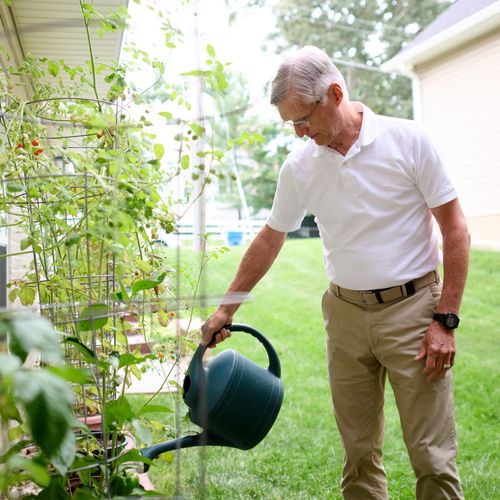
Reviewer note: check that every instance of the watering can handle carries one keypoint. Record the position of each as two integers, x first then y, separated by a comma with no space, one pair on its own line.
274,362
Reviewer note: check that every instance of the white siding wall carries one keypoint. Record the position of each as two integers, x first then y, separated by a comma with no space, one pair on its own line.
461,106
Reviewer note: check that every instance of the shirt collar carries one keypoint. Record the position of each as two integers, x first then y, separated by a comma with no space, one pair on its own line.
367,134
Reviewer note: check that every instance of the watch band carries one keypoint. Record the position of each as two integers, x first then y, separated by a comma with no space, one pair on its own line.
449,320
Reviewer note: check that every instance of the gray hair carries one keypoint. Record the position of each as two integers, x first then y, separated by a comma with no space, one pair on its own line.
306,74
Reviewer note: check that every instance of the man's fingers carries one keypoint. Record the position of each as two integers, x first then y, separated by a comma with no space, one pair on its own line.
423,351
430,365
219,337
436,367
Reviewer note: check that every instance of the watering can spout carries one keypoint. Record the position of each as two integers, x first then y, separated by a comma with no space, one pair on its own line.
202,439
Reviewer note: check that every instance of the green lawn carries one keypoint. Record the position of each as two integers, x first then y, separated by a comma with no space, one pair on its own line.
301,458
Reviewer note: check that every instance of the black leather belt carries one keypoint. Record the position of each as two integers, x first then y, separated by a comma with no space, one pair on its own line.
384,295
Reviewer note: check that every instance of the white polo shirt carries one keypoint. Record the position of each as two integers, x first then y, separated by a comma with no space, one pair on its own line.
371,205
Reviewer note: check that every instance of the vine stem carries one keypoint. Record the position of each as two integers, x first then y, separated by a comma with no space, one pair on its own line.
91,52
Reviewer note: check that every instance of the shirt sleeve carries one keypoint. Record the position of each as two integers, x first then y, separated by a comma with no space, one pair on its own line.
287,211
431,175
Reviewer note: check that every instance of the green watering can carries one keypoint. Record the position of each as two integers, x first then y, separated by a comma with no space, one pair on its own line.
232,399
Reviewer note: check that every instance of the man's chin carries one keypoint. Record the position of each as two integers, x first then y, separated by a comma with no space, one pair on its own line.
321,139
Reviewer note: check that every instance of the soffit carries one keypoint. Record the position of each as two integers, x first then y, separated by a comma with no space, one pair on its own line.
55,29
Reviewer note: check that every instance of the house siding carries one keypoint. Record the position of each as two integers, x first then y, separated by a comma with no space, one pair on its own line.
460,101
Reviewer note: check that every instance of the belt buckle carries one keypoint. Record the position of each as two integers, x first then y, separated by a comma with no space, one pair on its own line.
365,294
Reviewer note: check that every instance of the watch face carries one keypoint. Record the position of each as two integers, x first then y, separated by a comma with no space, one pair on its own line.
452,320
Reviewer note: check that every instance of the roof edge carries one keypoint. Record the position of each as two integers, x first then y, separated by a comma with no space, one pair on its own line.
14,46
461,32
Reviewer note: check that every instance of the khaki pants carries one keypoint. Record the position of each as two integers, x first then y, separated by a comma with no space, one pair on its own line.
366,342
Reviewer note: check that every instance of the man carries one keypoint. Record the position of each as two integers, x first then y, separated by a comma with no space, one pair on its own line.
373,184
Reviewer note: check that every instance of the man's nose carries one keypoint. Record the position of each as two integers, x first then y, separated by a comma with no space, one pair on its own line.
301,130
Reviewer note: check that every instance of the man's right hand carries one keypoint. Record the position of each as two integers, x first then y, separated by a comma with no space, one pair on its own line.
255,263
213,331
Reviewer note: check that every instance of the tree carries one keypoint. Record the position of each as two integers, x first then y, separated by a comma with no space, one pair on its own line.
260,148
359,35
257,153
260,173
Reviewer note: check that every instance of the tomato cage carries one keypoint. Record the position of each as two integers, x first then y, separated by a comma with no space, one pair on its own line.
82,209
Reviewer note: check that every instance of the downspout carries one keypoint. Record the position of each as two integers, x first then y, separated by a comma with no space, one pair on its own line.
416,90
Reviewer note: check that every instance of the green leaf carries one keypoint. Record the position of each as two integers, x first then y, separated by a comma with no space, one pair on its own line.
56,489
87,7
196,72
222,81
116,413
72,240
133,456
197,129
141,431
13,294
72,374
63,457
25,243
8,364
37,472
27,295
158,65
137,286
47,400
13,187
166,114
125,222
117,296
122,295
159,151
140,285
88,355
93,317
210,50
155,409
14,450
185,161
31,333
9,409
53,68
128,359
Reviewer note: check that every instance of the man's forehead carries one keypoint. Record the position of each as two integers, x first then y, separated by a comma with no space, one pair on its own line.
291,107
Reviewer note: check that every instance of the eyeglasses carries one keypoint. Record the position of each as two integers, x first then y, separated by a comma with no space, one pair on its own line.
303,122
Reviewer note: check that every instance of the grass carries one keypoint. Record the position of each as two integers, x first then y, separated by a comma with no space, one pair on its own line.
301,458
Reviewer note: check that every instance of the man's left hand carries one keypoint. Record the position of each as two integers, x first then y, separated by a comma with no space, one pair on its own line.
438,350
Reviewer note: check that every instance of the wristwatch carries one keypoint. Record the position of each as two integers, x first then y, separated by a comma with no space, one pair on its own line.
448,320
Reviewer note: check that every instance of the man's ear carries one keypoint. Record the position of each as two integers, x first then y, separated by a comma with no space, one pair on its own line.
336,93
